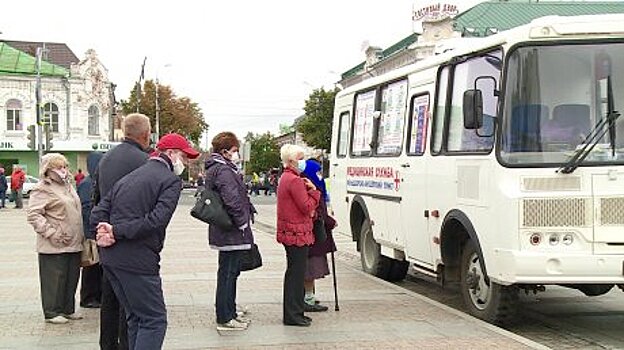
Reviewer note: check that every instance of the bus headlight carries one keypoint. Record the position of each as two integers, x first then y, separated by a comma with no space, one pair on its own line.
568,239
535,238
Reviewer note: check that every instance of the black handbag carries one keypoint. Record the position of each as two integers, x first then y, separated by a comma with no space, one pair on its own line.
320,232
209,209
252,259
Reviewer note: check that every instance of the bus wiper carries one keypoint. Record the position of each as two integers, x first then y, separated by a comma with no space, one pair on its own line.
595,135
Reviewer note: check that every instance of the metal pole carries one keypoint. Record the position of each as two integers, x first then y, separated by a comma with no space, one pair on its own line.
38,104
157,112
139,85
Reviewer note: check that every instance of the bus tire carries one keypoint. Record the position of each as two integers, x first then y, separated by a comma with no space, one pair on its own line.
398,270
370,253
491,302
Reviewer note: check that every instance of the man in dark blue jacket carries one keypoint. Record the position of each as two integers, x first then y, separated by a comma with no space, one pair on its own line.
131,221
117,163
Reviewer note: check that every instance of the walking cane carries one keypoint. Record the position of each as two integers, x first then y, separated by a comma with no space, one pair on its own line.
336,307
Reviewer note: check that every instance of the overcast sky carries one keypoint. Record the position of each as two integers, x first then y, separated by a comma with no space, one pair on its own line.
249,64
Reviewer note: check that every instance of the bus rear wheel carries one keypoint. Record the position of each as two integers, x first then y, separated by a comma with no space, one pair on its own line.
370,253
484,299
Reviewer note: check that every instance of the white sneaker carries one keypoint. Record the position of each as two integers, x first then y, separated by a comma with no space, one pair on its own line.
57,320
232,325
241,309
74,317
243,319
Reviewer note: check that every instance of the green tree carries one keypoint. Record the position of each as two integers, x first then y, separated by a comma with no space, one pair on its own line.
316,126
286,129
177,114
264,153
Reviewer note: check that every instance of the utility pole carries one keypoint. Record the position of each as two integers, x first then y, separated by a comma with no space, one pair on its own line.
139,85
157,112
38,103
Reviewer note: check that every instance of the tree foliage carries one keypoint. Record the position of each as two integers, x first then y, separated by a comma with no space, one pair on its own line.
264,153
177,114
316,126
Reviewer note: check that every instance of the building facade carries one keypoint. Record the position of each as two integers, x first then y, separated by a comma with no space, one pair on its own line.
77,105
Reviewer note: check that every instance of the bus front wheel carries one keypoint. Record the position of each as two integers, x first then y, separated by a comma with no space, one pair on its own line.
483,298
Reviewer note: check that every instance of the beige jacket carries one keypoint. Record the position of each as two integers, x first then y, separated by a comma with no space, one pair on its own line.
54,211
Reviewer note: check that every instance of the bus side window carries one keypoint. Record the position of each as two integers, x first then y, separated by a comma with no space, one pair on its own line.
363,123
343,132
417,127
465,76
439,112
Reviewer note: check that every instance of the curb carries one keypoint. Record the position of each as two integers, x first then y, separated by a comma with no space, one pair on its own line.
520,339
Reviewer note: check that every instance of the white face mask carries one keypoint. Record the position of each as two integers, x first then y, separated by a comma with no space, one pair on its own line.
235,157
62,173
178,167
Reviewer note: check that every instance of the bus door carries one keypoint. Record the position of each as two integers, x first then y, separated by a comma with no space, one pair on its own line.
338,169
413,172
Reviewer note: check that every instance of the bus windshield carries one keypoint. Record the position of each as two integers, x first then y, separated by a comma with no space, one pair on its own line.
555,96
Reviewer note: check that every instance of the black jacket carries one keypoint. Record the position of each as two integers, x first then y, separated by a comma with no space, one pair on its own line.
85,192
117,163
139,207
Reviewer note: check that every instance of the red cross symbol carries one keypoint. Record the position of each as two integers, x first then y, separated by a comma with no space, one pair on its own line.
397,181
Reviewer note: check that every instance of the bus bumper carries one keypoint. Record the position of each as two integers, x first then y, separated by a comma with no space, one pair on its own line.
511,267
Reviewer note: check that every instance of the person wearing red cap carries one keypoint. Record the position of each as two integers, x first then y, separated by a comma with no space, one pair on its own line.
131,221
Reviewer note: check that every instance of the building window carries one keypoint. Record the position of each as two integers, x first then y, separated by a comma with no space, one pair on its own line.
51,116
14,115
94,120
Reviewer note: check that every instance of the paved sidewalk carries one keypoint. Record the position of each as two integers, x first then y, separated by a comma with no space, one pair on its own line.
373,314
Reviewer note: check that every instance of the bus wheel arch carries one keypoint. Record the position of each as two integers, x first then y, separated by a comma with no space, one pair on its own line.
357,215
455,232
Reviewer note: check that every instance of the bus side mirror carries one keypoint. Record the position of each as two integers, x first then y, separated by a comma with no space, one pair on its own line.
473,109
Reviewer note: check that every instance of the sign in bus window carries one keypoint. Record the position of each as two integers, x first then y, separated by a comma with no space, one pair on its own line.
363,123
418,125
393,105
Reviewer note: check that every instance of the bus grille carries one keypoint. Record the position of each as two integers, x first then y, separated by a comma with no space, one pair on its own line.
559,212
612,211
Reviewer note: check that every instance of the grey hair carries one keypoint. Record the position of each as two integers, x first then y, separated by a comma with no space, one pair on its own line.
135,125
289,152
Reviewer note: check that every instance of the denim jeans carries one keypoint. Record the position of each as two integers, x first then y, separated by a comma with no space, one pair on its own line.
227,275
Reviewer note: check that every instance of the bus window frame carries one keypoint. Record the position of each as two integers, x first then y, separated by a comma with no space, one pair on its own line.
376,131
369,153
461,60
434,115
410,123
338,139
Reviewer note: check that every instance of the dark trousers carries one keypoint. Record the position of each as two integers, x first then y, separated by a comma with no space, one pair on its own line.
17,194
227,276
2,197
296,260
144,303
113,325
91,285
58,275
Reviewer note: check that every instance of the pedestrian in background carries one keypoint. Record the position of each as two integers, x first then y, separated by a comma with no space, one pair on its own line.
17,184
224,177
3,188
200,185
317,256
117,163
297,200
91,276
54,213
79,177
131,222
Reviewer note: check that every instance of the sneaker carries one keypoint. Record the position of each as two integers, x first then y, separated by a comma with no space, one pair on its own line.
243,319
242,309
73,316
57,320
232,325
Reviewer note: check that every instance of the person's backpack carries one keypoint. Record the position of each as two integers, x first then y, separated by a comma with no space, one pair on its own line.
209,207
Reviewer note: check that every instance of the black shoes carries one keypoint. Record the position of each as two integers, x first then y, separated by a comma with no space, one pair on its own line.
91,305
315,308
300,323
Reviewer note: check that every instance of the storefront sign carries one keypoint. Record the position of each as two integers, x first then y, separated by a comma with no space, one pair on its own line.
7,145
435,12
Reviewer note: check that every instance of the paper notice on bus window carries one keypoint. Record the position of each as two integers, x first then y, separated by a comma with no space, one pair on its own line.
363,123
418,135
393,103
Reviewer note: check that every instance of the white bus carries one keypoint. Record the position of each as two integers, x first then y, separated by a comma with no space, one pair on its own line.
498,165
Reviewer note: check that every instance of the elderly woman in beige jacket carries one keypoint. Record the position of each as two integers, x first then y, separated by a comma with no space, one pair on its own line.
54,212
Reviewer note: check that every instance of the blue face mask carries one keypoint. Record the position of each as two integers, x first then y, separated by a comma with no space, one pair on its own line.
301,165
